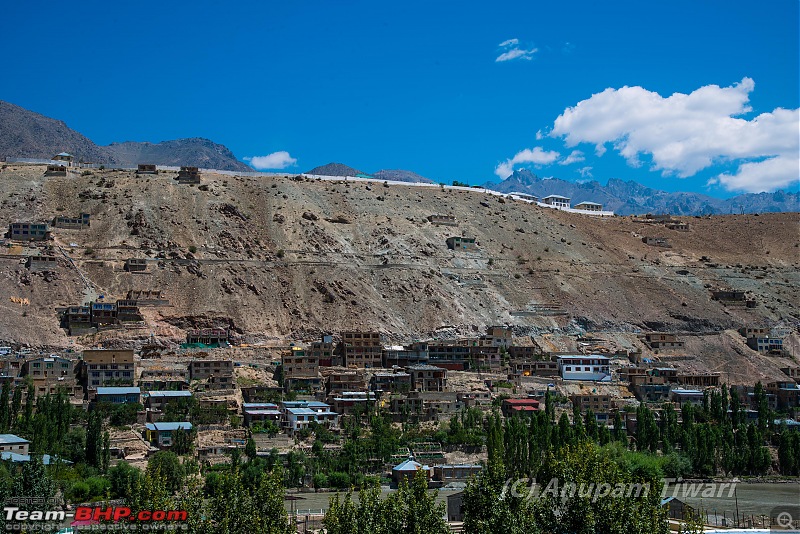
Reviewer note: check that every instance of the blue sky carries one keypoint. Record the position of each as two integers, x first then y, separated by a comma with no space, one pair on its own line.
427,86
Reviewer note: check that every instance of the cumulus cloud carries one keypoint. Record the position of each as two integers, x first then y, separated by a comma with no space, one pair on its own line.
576,156
685,134
276,160
536,155
512,50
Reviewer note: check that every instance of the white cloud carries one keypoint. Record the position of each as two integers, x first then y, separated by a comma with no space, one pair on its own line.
585,172
276,160
576,156
535,155
685,134
513,51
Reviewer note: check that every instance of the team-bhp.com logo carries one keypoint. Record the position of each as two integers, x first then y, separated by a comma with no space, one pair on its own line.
92,517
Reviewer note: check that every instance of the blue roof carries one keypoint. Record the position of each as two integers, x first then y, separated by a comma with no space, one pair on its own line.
301,411
5,439
257,405
118,391
410,465
161,427
169,393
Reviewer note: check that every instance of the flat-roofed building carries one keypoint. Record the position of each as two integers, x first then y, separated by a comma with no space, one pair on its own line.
427,377
461,243
41,263
158,400
163,434
28,231
589,206
146,168
72,223
118,395
361,349
100,367
593,367
557,201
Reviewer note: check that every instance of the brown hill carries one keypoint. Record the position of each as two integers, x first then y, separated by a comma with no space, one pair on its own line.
281,258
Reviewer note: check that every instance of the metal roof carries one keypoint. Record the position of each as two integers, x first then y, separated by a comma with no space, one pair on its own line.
168,393
6,439
160,427
118,391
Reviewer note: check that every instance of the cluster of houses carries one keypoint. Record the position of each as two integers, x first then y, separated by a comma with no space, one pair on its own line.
561,202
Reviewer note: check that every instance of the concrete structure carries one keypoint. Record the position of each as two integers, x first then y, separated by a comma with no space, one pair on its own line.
28,231
461,243
72,223
158,400
146,168
456,473
163,434
148,297
323,352
593,401
118,395
510,407
427,377
56,170
348,402
416,353
65,157
394,382
731,296
345,381
300,371
135,265
254,412
100,367
679,226
103,313
449,355
589,206
454,502
409,470
50,368
15,444
592,367
217,371
208,337
41,263
128,311
164,379
557,201
681,396
656,242
767,345
443,220
361,349
298,415
525,196
188,175
658,340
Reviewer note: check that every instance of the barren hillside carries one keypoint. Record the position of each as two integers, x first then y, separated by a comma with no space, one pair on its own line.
280,257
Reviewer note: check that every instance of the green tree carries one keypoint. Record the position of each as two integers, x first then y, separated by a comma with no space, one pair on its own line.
166,464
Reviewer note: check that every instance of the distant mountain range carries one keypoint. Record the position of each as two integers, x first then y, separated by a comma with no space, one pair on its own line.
25,134
627,198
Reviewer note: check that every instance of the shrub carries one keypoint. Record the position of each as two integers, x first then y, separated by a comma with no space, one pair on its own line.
192,249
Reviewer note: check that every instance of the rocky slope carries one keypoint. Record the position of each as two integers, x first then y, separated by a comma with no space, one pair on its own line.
401,176
279,258
334,169
196,151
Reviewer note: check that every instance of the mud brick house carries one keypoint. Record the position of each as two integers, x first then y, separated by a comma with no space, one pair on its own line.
78,320
189,175
146,168
28,231
349,402
449,355
345,381
663,341
557,200
728,296
158,400
678,225
103,313
300,371
41,263
128,311
395,382
699,379
442,220
656,242
427,377
209,369
361,349
56,170
323,351
595,402
163,379
73,223
118,395
100,367
461,243
133,265
51,374
792,372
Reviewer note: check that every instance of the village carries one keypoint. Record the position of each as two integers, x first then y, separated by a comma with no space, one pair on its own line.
212,393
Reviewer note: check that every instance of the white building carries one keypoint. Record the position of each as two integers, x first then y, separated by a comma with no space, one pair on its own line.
300,414
592,367
589,206
15,444
557,201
